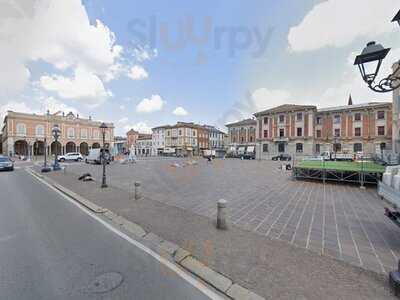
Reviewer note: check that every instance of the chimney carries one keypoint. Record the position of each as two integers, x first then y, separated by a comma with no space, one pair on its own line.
77,116
63,114
90,118
48,112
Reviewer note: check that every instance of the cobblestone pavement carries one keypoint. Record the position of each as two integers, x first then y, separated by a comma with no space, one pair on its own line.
338,220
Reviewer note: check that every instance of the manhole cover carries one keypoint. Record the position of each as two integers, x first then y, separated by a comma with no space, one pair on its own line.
105,283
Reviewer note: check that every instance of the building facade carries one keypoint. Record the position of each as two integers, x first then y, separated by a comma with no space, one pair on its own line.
363,128
216,138
305,130
131,137
203,139
285,129
31,134
120,145
396,117
183,138
158,136
241,134
144,145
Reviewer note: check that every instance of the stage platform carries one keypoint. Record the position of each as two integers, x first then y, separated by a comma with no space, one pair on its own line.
362,172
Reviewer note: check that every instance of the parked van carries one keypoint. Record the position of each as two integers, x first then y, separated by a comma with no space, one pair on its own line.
95,156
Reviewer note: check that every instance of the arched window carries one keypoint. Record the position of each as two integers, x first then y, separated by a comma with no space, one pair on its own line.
39,130
21,129
71,133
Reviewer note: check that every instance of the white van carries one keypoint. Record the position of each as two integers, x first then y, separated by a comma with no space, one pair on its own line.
95,156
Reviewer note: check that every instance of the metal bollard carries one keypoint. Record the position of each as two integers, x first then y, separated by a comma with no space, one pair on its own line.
138,190
221,214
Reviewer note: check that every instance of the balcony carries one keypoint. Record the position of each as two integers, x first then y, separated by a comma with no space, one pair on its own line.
280,139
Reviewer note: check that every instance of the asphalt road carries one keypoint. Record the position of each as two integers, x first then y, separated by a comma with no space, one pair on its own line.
51,249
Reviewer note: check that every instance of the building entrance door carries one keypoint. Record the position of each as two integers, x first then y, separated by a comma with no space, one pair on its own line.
281,147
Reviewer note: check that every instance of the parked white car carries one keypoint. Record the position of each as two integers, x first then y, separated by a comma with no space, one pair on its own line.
72,156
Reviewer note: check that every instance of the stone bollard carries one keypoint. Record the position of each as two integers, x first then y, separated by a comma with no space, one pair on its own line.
221,214
65,169
138,190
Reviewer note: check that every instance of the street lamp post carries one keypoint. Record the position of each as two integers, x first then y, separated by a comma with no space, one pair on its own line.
103,128
369,63
45,168
56,134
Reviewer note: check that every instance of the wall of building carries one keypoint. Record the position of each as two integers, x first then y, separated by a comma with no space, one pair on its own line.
25,134
318,130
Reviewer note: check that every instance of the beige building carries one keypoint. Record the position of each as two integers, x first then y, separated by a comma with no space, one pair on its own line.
241,134
287,128
305,130
182,137
25,134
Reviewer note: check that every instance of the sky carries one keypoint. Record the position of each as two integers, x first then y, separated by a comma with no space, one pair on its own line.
141,64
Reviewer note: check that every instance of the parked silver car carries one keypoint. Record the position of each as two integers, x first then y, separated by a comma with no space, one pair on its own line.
6,164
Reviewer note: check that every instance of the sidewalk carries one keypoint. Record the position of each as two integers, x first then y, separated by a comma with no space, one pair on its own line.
271,268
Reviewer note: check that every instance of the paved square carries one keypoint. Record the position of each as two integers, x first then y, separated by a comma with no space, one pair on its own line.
333,219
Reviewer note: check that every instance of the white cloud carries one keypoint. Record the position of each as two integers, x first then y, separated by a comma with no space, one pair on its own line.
55,105
141,127
144,53
56,32
123,120
122,107
15,106
337,23
84,85
137,73
180,111
155,103
258,100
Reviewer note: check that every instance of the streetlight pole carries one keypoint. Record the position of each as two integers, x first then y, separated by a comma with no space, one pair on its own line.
45,168
103,128
56,134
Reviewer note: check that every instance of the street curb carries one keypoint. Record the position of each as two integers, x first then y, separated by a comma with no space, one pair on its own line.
90,205
180,256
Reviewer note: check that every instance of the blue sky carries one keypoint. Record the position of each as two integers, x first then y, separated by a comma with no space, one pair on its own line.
136,63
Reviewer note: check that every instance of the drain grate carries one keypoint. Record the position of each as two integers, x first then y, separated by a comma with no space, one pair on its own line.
105,283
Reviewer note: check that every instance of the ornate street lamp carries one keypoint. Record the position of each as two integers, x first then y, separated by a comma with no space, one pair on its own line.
369,63
103,128
56,134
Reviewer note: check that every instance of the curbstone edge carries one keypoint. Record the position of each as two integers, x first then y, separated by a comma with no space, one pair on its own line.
217,280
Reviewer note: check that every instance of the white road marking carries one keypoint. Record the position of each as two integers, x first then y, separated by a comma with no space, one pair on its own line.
195,283
7,237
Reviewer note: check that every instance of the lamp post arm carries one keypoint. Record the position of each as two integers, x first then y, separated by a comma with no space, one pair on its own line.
387,84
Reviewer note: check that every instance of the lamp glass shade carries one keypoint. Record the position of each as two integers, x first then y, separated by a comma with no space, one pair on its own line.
103,127
56,130
370,61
